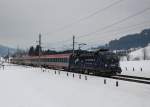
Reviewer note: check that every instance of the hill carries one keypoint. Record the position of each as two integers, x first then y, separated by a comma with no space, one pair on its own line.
4,50
131,41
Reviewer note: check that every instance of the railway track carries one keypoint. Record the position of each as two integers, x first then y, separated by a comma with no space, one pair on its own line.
137,79
129,78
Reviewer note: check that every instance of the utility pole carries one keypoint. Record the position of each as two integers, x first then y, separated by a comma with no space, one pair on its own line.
40,48
73,44
8,55
17,50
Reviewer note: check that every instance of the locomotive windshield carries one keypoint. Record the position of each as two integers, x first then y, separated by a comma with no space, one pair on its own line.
111,59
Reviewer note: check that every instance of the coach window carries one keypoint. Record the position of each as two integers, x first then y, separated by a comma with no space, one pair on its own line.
55,59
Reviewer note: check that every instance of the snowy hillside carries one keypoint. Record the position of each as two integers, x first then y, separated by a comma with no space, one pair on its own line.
4,50
139,54
31,87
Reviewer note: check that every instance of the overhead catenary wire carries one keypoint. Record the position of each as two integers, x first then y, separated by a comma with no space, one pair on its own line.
144,23
128,29
115,23
85,18
110,25
88,16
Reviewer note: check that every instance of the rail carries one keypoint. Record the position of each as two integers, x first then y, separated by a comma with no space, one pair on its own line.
143,80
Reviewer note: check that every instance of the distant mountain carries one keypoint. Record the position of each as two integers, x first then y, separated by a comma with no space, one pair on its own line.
141,39
4,50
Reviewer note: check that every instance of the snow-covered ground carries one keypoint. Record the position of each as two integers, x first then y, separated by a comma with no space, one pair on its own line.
29,87
136,68
136,65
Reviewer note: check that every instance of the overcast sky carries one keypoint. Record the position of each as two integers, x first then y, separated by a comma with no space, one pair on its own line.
22,20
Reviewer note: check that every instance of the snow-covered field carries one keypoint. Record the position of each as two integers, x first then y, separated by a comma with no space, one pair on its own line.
136,68
136,65
29,87
139,54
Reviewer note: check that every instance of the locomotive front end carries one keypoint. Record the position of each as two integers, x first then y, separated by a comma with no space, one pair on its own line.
112,63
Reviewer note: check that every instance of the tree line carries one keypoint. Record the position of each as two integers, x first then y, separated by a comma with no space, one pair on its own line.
34,51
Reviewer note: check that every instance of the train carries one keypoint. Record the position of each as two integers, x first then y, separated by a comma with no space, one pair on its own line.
104,63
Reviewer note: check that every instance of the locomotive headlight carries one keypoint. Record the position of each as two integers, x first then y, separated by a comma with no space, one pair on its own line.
106,65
